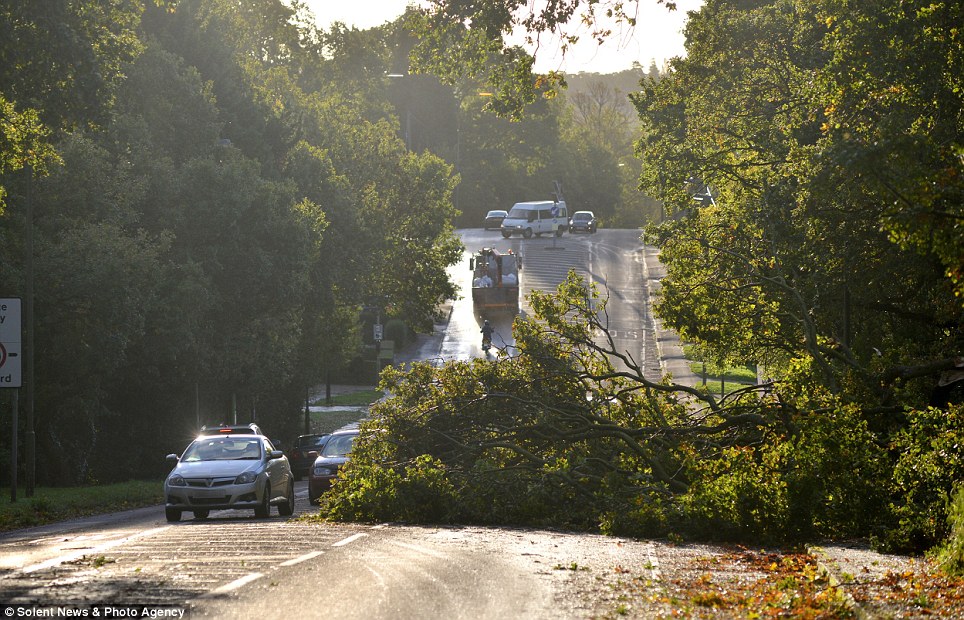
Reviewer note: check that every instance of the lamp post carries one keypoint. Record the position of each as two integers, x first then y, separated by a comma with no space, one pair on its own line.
408,111
30,437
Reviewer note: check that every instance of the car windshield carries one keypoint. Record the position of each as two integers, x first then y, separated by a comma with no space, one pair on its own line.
223,449
338,446
582,216
495,214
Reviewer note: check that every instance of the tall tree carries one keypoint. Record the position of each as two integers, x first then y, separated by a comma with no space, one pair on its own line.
790,259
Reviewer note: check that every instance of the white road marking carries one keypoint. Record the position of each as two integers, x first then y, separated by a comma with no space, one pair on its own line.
79,553
303,558
234,585
350,539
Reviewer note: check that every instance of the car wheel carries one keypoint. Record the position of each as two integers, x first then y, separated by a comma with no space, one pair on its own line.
506,234
201,514
527,233
288,507
173,514
262,510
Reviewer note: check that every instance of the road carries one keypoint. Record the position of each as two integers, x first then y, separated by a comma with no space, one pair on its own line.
613,260
233,565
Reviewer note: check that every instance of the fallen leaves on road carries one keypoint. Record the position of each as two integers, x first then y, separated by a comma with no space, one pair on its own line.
743,583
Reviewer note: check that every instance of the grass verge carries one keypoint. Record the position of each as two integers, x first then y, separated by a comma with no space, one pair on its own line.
330,421
50,504
361,398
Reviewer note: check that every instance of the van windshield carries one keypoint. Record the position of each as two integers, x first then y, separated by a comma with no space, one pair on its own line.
518,213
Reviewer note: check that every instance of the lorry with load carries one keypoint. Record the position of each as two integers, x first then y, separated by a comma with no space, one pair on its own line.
495,279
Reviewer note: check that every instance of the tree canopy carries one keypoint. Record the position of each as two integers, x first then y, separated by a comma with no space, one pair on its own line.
211,213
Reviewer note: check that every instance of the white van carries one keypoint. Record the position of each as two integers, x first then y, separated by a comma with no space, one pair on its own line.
544,216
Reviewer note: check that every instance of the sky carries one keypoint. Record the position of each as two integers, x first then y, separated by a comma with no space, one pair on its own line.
657,36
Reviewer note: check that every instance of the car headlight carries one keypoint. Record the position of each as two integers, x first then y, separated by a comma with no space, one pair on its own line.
246,478
321,470
176,481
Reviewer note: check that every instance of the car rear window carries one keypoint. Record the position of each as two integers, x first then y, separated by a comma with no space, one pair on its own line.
338,446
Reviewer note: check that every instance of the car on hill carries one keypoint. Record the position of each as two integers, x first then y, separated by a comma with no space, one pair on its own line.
236,469
305,452
493,219
332,457
584,221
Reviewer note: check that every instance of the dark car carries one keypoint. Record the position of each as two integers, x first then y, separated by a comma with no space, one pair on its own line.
584,221
493,219
304,453
332,456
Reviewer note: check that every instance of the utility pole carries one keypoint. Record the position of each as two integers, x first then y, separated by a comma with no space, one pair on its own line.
30,438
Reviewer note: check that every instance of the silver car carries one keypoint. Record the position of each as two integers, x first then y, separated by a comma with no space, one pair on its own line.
229,470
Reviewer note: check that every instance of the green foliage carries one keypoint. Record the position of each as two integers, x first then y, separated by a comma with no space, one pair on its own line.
817,129
211,213
492,435
739,496
929,463
555,437
23,142
419,493
805,162
397,331
950,554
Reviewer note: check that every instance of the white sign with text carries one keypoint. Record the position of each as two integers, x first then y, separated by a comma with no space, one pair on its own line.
10,340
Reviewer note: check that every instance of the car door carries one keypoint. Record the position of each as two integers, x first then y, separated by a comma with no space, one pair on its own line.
276,470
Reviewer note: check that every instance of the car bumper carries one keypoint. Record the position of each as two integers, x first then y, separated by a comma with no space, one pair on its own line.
214,498
318,485
301,468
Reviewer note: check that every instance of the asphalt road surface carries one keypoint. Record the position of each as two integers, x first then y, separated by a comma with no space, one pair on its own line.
612,260
232,565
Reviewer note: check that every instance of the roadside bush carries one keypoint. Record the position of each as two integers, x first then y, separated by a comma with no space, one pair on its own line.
397,331
836,475
367,492
738,496
950,555
930,461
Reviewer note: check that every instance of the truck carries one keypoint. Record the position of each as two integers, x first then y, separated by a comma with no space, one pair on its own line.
495,279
